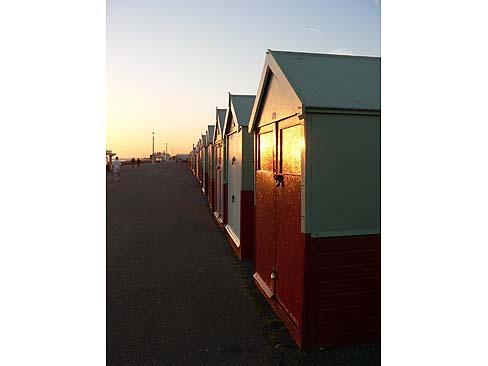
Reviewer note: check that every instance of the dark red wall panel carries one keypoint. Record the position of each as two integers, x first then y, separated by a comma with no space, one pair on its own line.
344,290
226,198
290,248
247,226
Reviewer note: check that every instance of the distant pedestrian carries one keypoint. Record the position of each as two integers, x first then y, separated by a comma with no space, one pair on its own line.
138,162
133,161
116,167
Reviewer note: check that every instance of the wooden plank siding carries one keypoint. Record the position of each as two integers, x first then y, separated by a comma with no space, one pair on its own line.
345,289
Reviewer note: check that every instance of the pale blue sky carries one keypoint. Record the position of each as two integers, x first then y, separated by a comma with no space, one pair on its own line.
170,63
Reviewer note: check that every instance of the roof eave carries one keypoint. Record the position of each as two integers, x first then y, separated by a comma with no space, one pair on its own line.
227,115
323,109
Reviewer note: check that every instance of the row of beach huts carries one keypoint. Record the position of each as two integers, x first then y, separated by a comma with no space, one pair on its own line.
293,175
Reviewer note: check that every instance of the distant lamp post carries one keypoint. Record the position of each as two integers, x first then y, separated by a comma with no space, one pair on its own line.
152,156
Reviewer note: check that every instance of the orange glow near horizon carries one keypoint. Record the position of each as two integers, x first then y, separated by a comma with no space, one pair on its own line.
133,116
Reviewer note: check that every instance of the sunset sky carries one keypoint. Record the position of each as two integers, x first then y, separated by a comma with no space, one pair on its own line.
170,63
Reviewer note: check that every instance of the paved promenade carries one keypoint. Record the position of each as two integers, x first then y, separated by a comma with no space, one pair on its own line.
176,294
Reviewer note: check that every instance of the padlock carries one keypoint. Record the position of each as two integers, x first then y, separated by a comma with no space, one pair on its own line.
278,179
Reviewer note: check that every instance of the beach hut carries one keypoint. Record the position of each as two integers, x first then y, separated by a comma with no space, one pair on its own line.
211,166
193,160
316,120
204,178
195,165
220,180
196,160
199,161
240,175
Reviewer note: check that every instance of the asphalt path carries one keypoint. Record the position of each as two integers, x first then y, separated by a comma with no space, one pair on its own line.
176,293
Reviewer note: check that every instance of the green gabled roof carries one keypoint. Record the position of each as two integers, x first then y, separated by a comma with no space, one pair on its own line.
242,107
219,121
221,117
333,81
210,133
324,81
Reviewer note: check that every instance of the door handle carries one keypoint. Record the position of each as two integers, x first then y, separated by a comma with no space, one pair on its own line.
279,179
233,198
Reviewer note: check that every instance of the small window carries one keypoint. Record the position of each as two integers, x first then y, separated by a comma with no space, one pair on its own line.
266,150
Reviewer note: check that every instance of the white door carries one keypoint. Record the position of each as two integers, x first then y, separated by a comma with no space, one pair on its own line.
234,198
204,169
219,169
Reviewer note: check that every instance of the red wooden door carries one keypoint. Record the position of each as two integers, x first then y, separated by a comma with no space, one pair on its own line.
265,219
290,248
279,249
